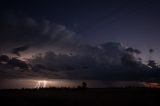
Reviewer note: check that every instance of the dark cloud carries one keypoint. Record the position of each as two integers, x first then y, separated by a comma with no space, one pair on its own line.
25,36
4,59
63,55
13,63
17,50
129,60
18,63
21,30
132,50
109,61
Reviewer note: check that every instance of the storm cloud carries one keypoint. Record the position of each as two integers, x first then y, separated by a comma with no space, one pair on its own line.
18,31
56,52
103,64
17,50
109,62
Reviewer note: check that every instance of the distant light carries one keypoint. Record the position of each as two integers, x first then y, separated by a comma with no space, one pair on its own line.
152,85
41,84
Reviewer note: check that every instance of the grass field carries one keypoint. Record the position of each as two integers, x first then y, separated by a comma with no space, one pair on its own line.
81,97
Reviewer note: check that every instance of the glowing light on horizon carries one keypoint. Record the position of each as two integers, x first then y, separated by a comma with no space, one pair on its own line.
41,84
152,85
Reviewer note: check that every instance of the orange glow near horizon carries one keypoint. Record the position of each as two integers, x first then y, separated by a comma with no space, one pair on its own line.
152,85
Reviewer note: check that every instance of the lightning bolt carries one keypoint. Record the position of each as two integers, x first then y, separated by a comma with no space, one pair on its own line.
41,84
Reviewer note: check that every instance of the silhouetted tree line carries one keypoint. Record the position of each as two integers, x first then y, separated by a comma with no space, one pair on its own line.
83,86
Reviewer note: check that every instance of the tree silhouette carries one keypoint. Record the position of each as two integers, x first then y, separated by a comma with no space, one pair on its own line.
84,85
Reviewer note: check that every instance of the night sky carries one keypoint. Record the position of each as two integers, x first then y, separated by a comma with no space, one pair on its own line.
76,40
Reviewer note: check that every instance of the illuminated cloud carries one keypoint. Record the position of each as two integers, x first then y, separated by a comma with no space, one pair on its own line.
56,52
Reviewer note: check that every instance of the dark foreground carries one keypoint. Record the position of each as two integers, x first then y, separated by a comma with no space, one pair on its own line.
81,97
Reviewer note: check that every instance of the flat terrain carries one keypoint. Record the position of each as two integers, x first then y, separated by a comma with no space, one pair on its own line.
81,97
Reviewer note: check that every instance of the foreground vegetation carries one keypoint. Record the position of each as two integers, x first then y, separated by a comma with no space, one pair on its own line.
81,97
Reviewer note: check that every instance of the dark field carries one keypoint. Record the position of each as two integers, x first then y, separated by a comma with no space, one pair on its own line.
81,97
